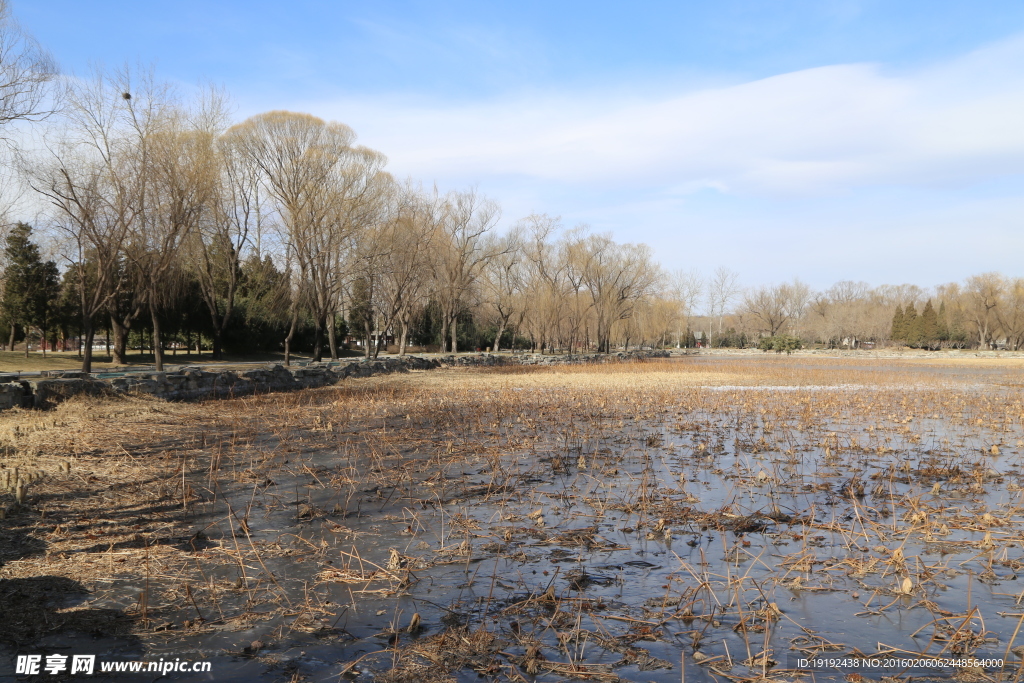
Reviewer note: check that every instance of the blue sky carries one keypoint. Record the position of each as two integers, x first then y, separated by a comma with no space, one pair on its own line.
878,140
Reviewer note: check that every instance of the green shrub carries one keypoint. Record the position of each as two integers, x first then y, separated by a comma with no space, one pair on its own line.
780,343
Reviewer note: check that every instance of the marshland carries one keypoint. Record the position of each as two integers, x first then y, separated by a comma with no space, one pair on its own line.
695,518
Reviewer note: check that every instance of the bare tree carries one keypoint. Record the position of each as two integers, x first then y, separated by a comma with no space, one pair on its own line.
26,69
685,288
504,281
1010,313
380,256
547,289
405,273
776,305
722,289
325,190
462,252
216,247
982,295
365,199
27,93
181,164
93,176
840,312
616,276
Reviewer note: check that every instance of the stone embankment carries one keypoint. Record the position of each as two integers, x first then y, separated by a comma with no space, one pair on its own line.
191,383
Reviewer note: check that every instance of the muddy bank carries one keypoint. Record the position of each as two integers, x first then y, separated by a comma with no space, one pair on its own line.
191,383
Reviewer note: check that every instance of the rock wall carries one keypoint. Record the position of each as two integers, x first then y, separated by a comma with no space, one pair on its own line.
195,383
541,359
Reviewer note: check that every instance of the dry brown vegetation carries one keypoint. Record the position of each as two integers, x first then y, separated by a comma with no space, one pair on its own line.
592,522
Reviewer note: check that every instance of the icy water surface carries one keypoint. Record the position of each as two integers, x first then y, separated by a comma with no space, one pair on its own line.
577,533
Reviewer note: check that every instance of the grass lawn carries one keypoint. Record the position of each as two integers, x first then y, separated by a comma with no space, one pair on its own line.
14,361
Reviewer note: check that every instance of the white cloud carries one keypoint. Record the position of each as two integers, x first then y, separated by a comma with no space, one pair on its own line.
817,130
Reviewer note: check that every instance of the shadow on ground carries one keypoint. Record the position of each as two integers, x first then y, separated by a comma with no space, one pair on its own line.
38,614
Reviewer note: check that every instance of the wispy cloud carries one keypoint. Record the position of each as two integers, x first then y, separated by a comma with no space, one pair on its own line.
818,130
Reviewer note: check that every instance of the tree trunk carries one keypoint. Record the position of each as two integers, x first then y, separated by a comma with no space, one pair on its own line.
120,341
158,350
454,329
290,336
332,336
318,340
88,333
404,336
218,344
497,337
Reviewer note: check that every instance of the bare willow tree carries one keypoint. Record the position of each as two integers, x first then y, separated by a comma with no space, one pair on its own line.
401,269
1010,313
981,296
578,309
617,277
722,289
181,170
411,264
504,282
364,199
324,189
775,306
215,248
371,301
685,287
841,313
462,251
546,290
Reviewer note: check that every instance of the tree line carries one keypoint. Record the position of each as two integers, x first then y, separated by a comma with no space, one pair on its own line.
985,311
167,225
279,232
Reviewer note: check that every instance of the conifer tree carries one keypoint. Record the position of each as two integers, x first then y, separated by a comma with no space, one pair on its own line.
911,326
929,324
30,285
942,334
897,333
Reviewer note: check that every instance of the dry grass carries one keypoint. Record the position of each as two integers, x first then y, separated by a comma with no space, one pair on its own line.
15,361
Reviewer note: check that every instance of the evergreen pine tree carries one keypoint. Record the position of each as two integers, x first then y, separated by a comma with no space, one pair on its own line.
911,326
897,333
942,333
929,323
30,285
